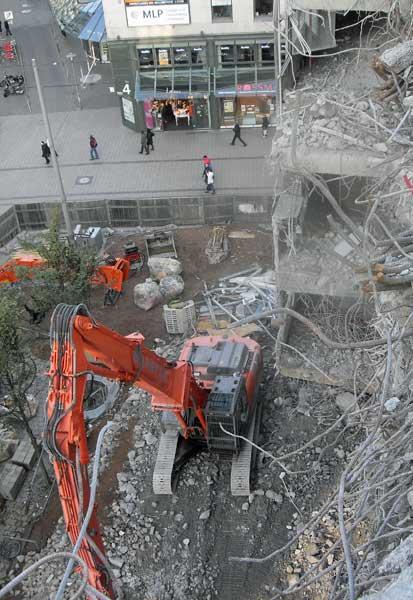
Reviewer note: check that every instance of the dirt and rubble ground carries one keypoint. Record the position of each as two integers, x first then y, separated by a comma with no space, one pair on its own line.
179,548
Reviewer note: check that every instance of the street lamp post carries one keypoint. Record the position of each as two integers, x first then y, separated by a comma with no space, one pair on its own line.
71,56
55,163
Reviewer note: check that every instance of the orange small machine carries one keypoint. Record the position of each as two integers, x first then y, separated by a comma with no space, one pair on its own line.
208,397
112,276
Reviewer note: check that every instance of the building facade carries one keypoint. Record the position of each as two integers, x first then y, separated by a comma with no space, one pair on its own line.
185,64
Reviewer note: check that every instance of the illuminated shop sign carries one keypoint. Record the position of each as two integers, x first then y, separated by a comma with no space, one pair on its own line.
147,13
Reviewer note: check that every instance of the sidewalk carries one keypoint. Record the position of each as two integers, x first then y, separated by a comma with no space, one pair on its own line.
173,170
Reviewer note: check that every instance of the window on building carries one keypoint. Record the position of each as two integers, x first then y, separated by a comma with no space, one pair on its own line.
266,53
221,9
198,55
263,7
181,56
226,54
145,57
245,53
163,57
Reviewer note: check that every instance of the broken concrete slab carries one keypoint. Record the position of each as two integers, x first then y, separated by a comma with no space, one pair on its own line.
25,455
11,480
346,162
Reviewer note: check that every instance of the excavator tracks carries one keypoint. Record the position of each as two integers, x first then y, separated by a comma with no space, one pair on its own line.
162,474
243,462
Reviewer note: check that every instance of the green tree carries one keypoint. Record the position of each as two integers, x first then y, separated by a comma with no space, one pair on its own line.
66,274
17,367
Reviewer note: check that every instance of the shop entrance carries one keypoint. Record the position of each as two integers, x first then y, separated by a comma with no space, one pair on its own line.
247,110
175,114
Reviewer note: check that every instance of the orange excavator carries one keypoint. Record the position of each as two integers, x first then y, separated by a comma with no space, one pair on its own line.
208,398
111,275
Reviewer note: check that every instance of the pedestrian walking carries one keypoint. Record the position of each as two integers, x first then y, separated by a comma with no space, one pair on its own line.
45,151
7,28
149,139
93,147
144,142
210,181
237,134
265,125
1,30
206,161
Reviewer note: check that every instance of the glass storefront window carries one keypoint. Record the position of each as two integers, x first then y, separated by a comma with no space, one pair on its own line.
181,56
163,56
221,9
245,53
200,81
247,110
266,53
145,56
198,55
226,54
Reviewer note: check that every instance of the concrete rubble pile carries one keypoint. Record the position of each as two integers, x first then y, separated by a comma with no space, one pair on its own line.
240,296
166,271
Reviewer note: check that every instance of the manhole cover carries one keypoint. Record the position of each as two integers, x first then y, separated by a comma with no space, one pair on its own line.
85,180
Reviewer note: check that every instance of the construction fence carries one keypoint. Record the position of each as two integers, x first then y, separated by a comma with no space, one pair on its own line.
152,212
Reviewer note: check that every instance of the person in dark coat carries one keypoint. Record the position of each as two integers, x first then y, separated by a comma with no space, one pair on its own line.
45,152
237,135
93,148
149,139
144,142
1,30
265,125
7,28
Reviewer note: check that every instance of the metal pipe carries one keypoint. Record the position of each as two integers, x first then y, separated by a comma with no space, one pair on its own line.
55,162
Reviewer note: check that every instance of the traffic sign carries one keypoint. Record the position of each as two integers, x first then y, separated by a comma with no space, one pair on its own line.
8,15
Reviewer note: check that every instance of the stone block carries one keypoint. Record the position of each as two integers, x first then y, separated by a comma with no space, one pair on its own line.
11,480
25,455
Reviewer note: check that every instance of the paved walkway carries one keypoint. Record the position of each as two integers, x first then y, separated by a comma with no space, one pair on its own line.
174,169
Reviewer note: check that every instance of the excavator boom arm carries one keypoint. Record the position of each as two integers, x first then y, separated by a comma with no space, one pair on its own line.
81,346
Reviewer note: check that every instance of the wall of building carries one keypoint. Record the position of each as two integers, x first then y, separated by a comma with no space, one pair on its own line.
201,22
338,5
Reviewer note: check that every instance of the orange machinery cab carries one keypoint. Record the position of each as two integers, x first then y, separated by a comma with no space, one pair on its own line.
8,272
231,369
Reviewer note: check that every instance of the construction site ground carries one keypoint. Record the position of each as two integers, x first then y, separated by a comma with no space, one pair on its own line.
179,548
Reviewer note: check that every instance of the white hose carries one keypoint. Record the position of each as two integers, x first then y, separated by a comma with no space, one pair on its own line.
89,511
73,557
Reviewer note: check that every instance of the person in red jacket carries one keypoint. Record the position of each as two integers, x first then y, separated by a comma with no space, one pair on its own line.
206,161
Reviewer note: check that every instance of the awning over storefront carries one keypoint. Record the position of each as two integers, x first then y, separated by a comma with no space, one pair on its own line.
95,29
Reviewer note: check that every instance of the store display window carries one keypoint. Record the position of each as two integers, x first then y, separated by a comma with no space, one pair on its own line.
163,56
245,53
266,53
226,54
247,110
181,56
175,113
145,57
198,55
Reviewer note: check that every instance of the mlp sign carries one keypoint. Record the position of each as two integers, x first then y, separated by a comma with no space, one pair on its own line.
157,13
